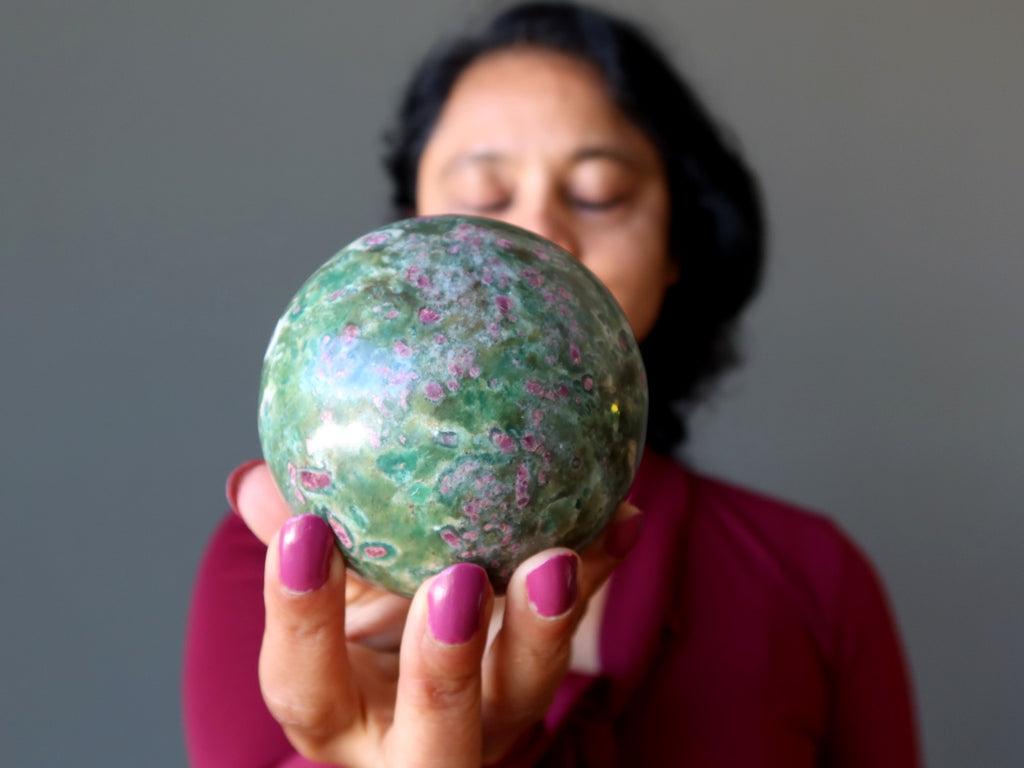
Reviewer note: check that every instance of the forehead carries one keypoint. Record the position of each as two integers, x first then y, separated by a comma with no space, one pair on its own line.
531,100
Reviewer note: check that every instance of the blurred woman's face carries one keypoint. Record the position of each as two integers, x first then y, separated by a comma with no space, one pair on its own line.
531,137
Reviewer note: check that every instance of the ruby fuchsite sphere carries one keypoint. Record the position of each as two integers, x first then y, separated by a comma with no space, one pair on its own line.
450,389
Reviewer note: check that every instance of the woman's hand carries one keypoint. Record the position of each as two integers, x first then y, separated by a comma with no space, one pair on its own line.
360,677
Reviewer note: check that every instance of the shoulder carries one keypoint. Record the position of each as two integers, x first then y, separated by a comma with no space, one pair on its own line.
759,518
804,538
770,615
749,544
714,507
802,555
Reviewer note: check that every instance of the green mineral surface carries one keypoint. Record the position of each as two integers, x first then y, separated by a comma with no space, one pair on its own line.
451,389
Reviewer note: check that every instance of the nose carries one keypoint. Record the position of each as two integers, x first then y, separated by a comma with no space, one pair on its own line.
547,218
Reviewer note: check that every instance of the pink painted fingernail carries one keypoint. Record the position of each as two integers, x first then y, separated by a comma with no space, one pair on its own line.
455,603
622,536
551,586
304,547
235,479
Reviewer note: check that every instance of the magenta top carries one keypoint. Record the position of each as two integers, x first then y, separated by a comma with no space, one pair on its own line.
740,631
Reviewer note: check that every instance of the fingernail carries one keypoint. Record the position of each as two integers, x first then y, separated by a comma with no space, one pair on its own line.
305,553
551,586
623,535
455,602
235,479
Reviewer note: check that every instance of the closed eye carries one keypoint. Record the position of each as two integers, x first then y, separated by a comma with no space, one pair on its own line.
489,207
597,205
493,207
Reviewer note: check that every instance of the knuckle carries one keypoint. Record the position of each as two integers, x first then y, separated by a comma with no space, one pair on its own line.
311,714
554,654
313,627
445,693
544,662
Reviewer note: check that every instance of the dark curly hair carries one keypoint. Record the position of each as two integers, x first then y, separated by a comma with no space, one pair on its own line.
716,228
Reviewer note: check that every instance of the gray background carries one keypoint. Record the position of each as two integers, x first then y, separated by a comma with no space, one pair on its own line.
171,172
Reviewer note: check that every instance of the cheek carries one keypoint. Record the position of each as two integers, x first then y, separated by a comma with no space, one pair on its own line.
637,272
426,205
642,312
636,267
430,195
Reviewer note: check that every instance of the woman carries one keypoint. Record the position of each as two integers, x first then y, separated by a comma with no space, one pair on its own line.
735,630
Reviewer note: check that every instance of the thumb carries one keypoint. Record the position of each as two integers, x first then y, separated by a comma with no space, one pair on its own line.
254,495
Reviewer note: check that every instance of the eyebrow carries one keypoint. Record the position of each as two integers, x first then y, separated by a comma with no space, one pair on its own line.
603,153
487,157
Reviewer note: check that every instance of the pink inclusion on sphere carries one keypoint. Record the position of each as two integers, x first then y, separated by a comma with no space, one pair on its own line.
503,441
504,304
433,391
402,349
313,480
350,332
522,486
574,353
588,383
533,277
374,551
472,509
293,476
428,316
341,533
451,538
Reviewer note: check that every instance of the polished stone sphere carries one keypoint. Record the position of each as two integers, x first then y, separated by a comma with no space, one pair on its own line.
450,389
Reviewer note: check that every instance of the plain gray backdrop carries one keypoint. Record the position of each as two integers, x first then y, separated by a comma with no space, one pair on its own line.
170,173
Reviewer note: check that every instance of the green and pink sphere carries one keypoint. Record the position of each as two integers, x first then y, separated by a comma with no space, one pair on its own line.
453,389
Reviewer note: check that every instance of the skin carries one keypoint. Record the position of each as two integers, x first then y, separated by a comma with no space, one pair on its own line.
530,137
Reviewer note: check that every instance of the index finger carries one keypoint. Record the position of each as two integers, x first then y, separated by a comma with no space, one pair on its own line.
438,708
